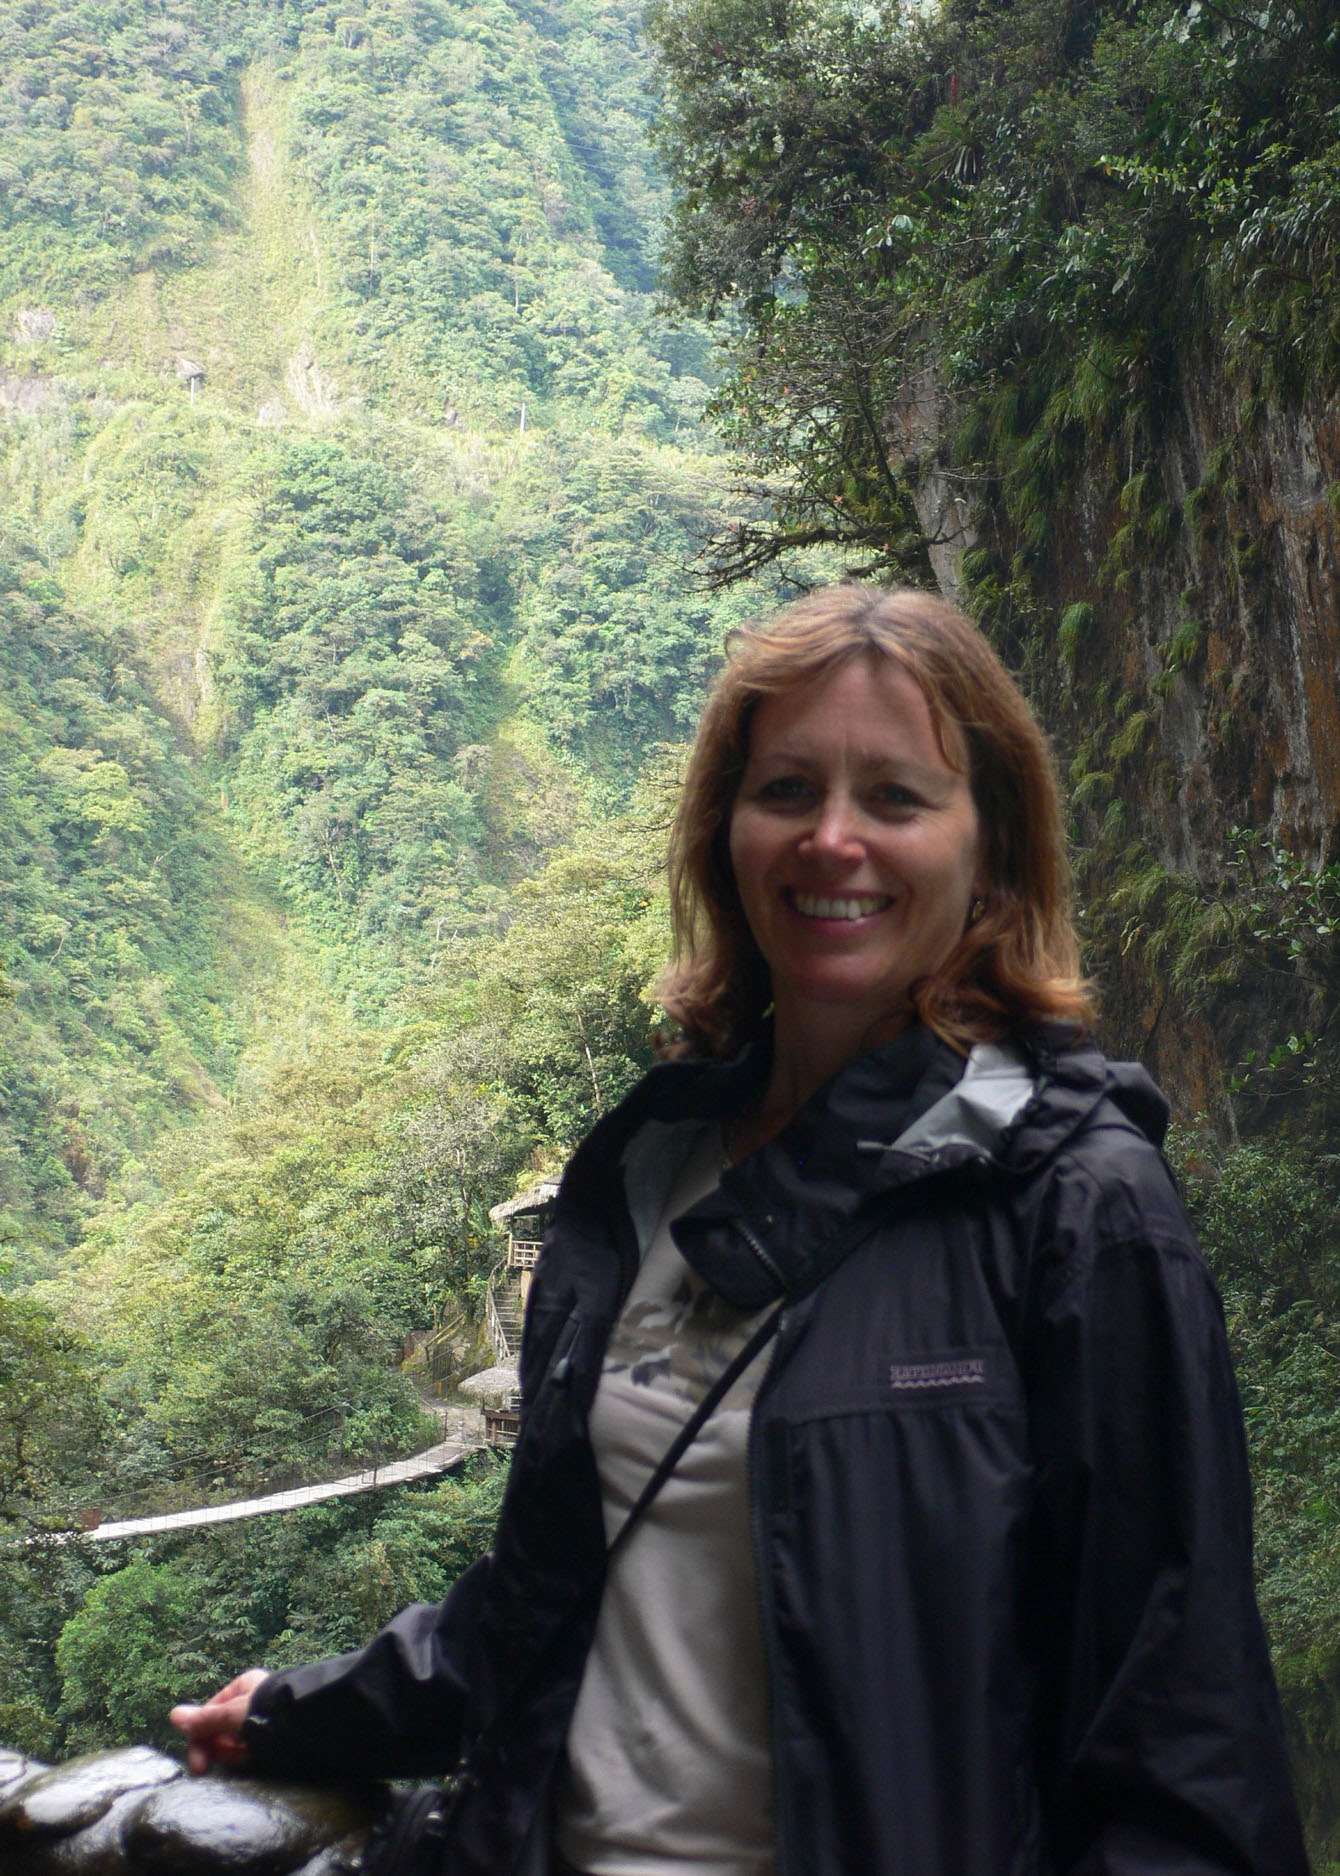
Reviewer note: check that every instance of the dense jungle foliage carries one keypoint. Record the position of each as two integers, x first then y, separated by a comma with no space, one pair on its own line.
1048,206
351,484
348,484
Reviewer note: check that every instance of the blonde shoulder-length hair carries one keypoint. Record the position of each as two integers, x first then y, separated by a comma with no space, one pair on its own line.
1017,963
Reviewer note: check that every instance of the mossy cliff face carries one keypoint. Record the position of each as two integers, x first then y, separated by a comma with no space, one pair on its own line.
1193,685
1218,598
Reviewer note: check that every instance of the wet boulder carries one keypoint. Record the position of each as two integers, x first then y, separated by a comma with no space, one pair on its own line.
218,1826
14,1769
58,1800
96,1850
136,1813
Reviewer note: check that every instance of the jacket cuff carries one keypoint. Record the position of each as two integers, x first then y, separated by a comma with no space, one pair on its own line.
263,1731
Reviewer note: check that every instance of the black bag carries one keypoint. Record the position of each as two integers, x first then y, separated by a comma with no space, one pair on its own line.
408,1833
408,1836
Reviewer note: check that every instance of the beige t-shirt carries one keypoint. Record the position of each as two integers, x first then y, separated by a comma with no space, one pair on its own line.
668,1760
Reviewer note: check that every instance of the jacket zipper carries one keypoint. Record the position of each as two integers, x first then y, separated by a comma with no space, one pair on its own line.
762,1575
761,1253
559,1371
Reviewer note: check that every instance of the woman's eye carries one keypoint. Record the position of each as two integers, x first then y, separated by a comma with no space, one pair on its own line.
894,795
784,788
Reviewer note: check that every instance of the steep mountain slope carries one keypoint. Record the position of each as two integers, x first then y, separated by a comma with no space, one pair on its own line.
345,459
348,488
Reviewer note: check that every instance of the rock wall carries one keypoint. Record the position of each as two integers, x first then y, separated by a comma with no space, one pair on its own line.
1219,612
1249,725
1189,669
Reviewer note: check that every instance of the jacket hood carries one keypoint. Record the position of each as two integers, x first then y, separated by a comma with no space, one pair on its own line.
1071,1079
788,1213
1013,1104
1139,1099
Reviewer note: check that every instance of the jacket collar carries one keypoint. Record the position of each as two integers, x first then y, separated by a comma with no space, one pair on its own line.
1073,1078
786,1214
973,1118
1018,1103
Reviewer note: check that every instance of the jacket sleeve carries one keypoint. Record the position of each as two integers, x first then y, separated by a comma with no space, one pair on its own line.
390,1710
1162,1742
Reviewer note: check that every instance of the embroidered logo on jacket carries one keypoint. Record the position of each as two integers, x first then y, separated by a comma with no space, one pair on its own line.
966,1371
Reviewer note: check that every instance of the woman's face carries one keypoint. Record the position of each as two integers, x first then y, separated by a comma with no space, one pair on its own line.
856,847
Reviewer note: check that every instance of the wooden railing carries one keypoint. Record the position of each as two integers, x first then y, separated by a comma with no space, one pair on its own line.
501,1425
502,1347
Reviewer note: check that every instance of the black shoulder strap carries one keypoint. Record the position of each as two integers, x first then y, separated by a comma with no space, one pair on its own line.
464,1777
693,1426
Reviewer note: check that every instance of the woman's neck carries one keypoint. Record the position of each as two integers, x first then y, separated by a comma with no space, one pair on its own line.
808,1049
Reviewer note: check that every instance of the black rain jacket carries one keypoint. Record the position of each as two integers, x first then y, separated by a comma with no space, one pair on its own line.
1000,1501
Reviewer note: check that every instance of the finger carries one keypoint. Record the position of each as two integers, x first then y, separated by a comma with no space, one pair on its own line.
224,1749
242,1686
201,1722
206,1716
213,1727
211,1730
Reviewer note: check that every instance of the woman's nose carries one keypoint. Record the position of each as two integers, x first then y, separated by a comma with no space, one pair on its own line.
835,830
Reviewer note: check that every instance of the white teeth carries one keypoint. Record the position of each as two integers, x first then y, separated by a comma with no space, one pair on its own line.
861,907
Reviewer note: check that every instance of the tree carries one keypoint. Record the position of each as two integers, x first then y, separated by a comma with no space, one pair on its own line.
50,1415
128,1652
1029,215
463,1140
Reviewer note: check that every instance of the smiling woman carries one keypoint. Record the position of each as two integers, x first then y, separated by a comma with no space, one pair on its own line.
880,1501
910,722
857,854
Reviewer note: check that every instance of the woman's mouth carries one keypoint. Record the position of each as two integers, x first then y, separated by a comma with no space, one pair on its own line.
850,906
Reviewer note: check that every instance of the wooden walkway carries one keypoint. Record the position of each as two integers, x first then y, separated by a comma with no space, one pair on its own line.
444,1457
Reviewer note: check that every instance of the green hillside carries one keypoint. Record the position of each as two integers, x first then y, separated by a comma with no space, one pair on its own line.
350,485
350,489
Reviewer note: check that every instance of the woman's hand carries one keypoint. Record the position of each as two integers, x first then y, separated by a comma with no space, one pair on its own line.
213,1730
